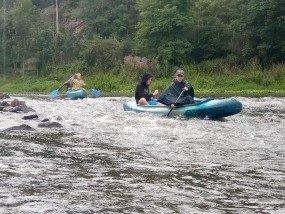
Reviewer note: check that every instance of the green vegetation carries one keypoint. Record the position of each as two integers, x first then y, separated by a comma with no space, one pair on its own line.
206,83
226,47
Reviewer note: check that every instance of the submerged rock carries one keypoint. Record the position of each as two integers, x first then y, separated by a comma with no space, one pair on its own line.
49,124
45,120
23,127
32,116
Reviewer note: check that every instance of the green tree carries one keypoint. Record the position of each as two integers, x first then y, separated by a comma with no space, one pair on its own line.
43,3
25,20
3,47
28,38
42,49
105,54
211,32
109,18
7,3
163,28
264,25
65,48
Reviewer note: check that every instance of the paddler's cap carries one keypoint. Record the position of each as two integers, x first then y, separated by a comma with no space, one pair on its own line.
179,72
78,74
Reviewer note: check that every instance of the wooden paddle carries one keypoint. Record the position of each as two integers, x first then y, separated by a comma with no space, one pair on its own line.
176,102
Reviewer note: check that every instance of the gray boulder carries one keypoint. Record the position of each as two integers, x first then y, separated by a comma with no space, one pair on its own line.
4,96
29,117
16,109
50,124
23,127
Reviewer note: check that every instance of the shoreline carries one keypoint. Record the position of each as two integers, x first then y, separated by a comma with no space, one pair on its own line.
198,94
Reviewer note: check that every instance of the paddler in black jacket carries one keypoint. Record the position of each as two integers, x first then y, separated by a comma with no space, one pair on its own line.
170,95
142,94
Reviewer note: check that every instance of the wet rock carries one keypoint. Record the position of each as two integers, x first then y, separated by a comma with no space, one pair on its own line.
4,103
23,127
16,109
7,108
17,102
49,124
45,120
26,109
15,106
59,118
4,96
32,116
112,99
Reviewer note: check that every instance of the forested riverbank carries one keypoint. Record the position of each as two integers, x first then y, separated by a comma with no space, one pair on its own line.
225,47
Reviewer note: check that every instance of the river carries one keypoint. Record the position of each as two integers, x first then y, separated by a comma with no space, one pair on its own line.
106,160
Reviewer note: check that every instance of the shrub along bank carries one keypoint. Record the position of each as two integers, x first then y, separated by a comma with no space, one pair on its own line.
206,83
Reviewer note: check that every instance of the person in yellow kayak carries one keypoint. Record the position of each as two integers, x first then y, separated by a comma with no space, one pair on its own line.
77,82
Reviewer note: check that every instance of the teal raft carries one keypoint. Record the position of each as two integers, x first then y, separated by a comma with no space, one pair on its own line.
205,108
76,94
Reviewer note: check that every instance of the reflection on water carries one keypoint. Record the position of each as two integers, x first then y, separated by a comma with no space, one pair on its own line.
106,160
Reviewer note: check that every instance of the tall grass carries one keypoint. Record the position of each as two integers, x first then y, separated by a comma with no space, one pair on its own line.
212,77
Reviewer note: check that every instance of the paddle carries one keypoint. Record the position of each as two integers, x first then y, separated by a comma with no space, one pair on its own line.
95,92
176,102
55,92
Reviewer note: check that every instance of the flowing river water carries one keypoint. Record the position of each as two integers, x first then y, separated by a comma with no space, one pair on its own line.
106,160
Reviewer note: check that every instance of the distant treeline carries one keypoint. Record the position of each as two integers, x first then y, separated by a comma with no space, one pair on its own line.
113,35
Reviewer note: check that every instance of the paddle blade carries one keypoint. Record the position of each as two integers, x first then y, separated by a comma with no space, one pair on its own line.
95,92
53,93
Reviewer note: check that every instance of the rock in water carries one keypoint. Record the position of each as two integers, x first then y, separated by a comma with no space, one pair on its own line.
28,117
50,125
23,127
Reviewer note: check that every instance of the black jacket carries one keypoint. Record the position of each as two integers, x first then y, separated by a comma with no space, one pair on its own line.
170,94
142,89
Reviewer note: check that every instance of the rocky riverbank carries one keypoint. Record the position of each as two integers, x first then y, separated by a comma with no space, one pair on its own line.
11,105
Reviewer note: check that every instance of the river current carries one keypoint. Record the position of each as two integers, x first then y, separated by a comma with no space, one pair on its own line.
106,160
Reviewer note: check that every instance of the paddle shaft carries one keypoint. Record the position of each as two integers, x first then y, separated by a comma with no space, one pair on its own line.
69,79
54,92
66,82
176,101
61,87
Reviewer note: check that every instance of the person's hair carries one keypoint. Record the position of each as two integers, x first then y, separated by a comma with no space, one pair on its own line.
146,76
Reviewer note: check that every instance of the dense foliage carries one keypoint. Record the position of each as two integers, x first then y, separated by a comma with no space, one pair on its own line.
100,34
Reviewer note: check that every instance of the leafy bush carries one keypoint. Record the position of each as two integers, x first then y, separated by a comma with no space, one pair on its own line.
105,54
